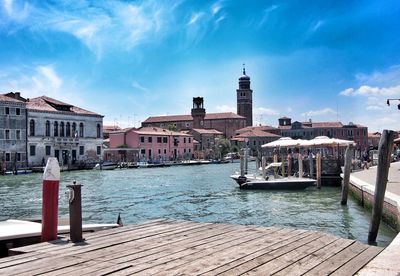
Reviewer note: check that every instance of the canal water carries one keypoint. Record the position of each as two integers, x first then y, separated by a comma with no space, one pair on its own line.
203,193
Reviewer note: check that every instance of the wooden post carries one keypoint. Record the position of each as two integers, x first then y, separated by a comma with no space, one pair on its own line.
263,163
289,165
300,160
246,161
311,161
275,161
346,173
75,212
384,152
241,164
319,170
283,166
51,183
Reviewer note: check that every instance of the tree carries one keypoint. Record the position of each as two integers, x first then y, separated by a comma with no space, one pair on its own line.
172,127
224,146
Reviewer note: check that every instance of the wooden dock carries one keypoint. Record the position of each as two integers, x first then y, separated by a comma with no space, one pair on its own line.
165,247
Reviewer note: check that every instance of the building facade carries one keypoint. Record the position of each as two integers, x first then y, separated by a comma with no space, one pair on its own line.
244,96
153,144
57,129
253,139
13,138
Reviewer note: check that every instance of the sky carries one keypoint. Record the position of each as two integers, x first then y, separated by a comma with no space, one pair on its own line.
128,60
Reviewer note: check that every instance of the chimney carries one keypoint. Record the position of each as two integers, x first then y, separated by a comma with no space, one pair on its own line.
17,95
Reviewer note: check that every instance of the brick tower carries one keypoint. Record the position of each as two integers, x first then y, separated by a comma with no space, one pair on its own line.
245,98
198,112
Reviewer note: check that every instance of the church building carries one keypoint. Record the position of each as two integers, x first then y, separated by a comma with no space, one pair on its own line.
227,122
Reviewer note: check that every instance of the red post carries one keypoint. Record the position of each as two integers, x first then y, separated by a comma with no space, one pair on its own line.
51,183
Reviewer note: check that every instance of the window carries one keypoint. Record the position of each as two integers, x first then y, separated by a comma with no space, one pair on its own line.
165,140
7,110
18,134
74,133
184,150
190,140
32,150
98,131
81,130
8,157
184,140
141,139
159,151
55,129
159,140
81,150
62,129
47,129
18,156
190,150
32,128
48,150
7,134
254,143
150,139
98,150
68,129
143,151
165,151
17,111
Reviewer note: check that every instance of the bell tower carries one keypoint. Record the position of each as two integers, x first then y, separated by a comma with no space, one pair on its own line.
198,112
245,98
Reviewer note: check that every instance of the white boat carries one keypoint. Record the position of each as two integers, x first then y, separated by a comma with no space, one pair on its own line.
105,166
272,181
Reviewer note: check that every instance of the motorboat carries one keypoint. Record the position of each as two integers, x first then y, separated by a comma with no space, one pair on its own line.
106,166
272,181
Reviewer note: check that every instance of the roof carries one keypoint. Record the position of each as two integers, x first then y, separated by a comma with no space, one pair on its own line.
207,131
263,128
178,118
326,124
256,133
111,128
284,117
48,104
4,98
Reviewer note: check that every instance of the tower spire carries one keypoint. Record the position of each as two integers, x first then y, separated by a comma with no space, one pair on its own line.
244,69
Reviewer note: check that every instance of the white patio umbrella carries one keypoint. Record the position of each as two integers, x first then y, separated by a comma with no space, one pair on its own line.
284,142
326,141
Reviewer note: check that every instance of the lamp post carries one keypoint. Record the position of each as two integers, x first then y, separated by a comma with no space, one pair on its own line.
388,102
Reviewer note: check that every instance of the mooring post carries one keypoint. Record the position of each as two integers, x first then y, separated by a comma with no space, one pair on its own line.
242,164
346,173
75,212
319,169
275,168
311,163
263,163
51,184
246,161
300,165
289,165
384,152
283,165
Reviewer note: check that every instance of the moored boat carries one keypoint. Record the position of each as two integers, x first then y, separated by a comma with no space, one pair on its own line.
106,166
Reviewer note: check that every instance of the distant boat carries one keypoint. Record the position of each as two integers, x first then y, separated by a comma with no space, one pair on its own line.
271,182
106,166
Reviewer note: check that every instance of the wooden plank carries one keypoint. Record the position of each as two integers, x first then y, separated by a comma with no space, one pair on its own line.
289,258
86,267
335,262
210,258
270,254
177,251
302,266
355,264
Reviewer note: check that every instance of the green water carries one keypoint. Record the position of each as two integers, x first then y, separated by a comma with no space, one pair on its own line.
202,193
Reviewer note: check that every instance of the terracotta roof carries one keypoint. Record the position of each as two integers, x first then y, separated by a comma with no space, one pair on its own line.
48,104
207,131
158,131
111,128
375,134
263,128
284,117
284,127
256,133
4,98
326,124
178,118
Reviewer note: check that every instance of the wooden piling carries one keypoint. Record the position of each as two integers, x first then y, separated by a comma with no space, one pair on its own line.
319,169
241,164
311,163
346,173
289,165
263,163
283,166
300,161
384,152
275,161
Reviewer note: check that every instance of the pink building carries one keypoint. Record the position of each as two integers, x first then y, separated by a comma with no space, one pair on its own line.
153,143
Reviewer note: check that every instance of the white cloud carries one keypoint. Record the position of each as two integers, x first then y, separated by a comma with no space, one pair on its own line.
366,90
388,77
265,111
216,7
137,85
195,17
347,92
16,11
266,14
226,108
325,111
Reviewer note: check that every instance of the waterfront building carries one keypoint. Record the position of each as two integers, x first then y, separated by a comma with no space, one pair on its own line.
255,138
107,129
13,117
309,130
269,129
56,129
373,140
151,144
207,142
244,96
227,123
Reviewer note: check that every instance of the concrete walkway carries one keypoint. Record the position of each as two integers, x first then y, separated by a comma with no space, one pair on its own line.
388,261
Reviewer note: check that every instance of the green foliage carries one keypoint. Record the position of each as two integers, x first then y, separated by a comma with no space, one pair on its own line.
224,146
171,127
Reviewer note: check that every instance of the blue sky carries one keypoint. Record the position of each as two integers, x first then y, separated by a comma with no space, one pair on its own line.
127,60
